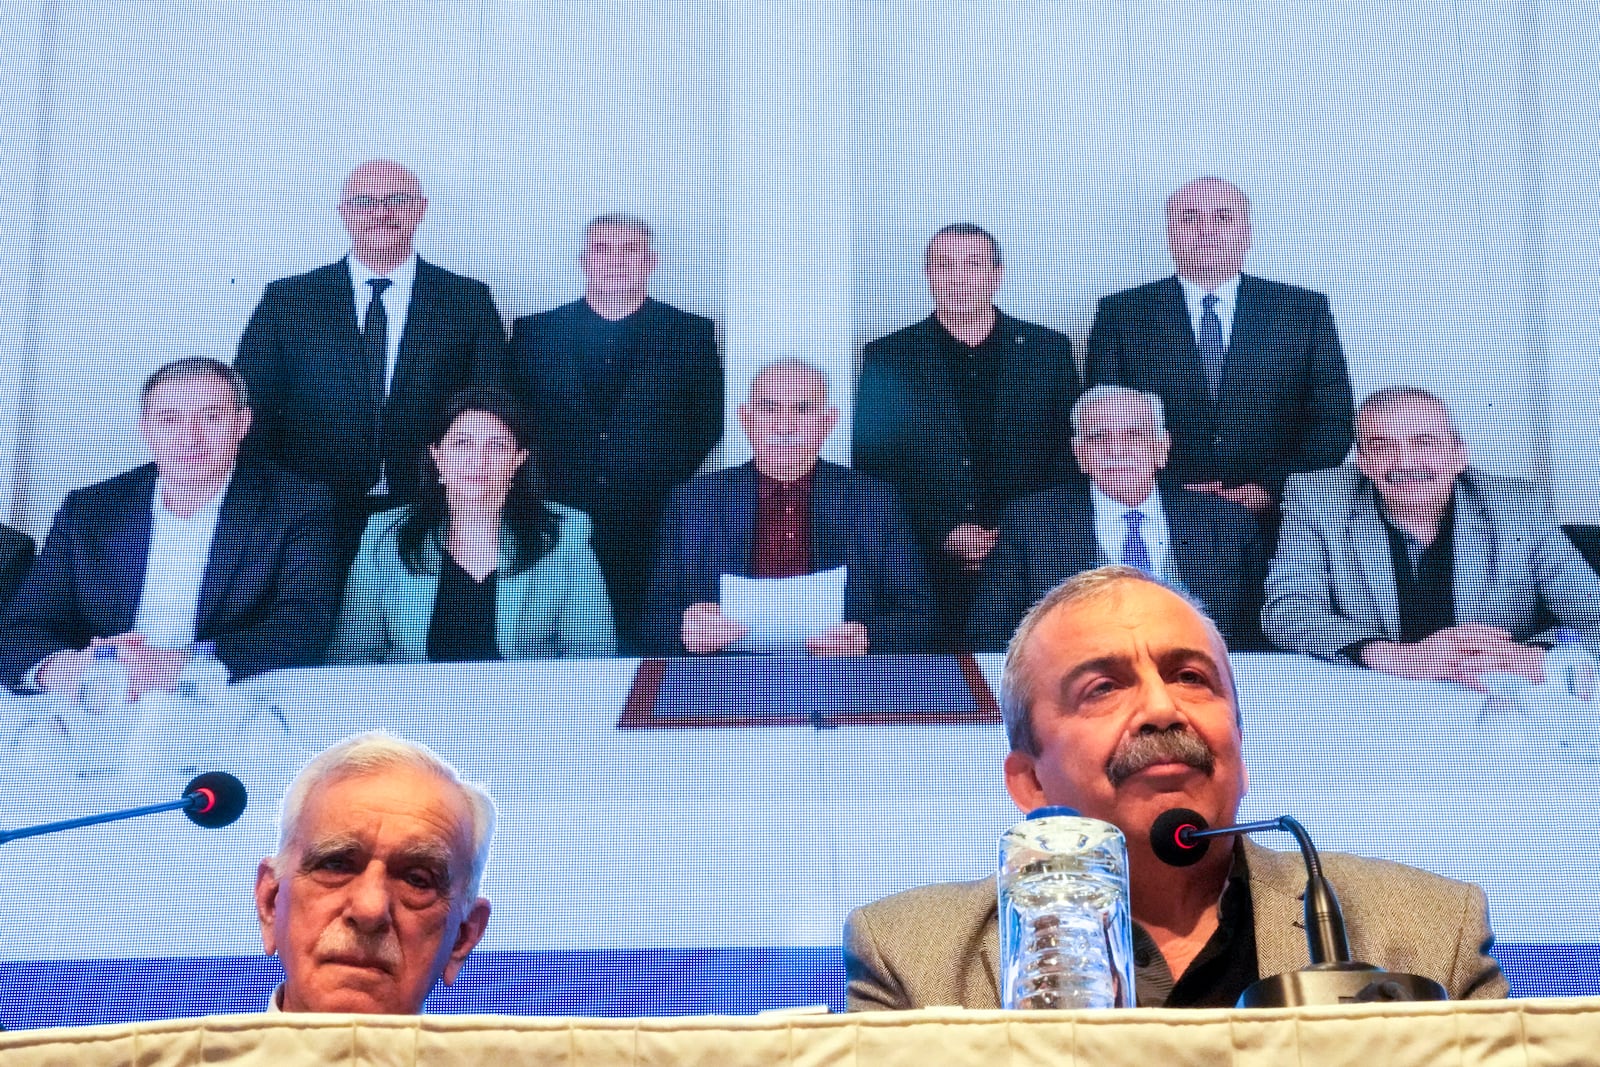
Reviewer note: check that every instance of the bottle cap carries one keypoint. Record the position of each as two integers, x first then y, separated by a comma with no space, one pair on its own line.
105,652
1051,811
1566,635
205,648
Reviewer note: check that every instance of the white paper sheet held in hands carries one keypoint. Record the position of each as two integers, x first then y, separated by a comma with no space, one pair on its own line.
783,612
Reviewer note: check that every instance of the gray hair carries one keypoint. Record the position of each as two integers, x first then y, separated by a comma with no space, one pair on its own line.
966,229
371,753
1391,395
1208,178
1016,680
1096,393
196,367
793,363
621,220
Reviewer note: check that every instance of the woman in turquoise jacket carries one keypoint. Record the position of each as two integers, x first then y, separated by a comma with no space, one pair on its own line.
481,567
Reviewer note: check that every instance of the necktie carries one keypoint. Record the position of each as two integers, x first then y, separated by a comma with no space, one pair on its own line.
1210,342
375,339
1135,553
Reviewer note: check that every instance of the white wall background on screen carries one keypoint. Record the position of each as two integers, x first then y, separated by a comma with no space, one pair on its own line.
1429,166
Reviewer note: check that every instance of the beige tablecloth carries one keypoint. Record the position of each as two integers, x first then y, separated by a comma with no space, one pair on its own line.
1524,1033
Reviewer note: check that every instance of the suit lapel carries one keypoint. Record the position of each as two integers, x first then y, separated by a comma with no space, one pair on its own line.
1183,362
1014,394
1471,569
1367,551
1241,366
830,537
231,543
339,311
126,553
730,548
420,316
1277,894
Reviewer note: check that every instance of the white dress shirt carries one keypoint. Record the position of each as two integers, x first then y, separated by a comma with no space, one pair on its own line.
1227,300
1111,529
174,569
396,303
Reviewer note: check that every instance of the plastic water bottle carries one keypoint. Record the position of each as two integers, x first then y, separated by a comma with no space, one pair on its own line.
1066,930
104,718
204,679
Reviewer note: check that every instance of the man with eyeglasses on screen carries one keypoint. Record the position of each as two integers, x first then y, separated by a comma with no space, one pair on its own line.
348,363
1412,562
784,514
1206,547
198,545
372,898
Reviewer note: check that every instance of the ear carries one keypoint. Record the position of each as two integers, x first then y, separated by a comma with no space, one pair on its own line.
467,938
267,905
1022,782
1163,450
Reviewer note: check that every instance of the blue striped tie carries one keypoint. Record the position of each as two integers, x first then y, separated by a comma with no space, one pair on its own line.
1135,553
1210,343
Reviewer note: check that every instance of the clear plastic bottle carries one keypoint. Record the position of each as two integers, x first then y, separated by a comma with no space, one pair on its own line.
204,679
104,717
1570,674
1066,930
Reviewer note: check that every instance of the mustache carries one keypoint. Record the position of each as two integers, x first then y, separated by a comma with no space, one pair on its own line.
1174,745
340,941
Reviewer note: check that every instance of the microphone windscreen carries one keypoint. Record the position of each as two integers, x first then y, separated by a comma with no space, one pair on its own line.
215,798
1166,843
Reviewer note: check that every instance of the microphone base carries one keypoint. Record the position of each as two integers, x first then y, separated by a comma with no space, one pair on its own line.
1339,983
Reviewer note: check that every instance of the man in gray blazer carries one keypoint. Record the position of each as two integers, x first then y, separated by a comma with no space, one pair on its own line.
1119,703
1414,563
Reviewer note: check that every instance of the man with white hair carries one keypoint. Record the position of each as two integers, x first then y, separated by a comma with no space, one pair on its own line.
626,392
783,514
1413,562
373,895
1195,542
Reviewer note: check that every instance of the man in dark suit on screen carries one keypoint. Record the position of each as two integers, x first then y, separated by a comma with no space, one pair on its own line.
1193,542
627,397
16,555
348,364
1250,370
788,513
964,412
200,545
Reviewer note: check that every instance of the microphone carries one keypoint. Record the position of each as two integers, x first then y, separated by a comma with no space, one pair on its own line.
1180,837
211,800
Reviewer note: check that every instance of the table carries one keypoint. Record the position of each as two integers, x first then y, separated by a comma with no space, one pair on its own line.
711,869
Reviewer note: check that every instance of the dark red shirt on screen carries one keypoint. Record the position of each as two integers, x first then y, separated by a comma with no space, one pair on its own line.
781,544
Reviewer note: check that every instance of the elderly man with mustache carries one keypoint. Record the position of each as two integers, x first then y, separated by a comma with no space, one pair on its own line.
1119,702
1412,562
373,895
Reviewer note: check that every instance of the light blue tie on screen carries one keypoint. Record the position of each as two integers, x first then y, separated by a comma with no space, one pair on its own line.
1210,342
1135,553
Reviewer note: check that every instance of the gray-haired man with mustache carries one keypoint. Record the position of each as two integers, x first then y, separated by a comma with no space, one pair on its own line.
373,895
1412,562
1119,702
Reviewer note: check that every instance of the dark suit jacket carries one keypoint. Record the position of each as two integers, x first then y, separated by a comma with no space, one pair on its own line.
856,522
1284,403
267,599
1048,537
16,554
908,430
312,390
617,466
939,944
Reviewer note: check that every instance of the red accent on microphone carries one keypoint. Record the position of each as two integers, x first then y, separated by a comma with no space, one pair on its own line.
210,801
1181,836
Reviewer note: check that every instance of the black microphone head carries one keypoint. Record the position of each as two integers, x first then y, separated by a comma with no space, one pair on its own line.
216,798
1168,837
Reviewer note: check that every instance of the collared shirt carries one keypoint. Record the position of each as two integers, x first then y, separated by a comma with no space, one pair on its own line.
1424,576
174,569
974,380
396,303
1227,300
780,545
1226,965
1111,529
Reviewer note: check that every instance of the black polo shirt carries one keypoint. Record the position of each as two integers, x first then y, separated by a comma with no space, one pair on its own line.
1225,967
